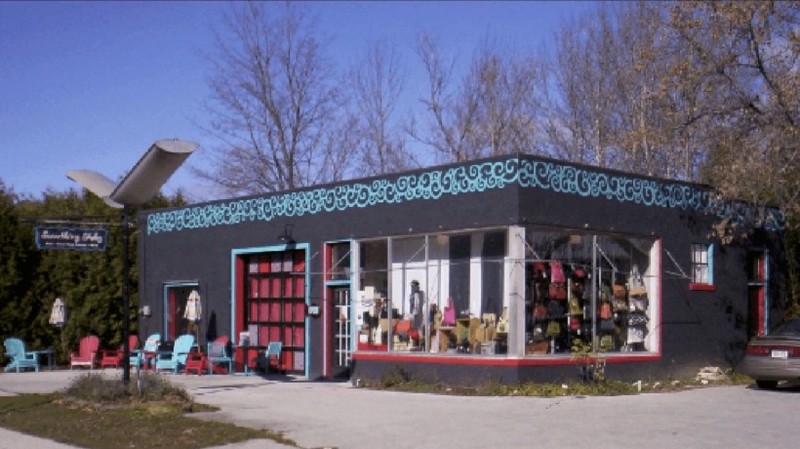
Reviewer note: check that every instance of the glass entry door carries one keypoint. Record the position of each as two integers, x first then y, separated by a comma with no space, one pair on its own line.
341,330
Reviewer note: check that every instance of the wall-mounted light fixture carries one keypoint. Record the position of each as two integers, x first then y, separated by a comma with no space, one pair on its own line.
286,237
145,311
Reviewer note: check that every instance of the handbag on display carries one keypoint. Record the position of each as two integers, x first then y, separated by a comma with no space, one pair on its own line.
605,293
620,292
449,315
605,311
637,320
606,325
638,303
539,311
606,343
637,287
553,329
555,309
636,335
502,323
575,307
577,288
557,272
538,333
619,305
558,290
539,271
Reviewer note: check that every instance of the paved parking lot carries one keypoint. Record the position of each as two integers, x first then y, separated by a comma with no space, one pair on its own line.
322,414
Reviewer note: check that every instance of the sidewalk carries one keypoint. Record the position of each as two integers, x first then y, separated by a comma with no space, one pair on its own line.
336,415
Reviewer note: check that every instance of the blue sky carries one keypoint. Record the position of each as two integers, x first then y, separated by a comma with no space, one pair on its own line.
90,85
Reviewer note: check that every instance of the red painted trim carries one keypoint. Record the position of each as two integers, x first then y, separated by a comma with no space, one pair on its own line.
239,290
694,286
172,326
553,360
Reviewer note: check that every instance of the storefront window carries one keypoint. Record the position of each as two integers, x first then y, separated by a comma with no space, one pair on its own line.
456,293
443,294
597,289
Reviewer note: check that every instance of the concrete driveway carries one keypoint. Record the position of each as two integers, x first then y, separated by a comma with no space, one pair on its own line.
320,414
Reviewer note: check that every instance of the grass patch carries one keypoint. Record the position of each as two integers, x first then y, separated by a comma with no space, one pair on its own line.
99,413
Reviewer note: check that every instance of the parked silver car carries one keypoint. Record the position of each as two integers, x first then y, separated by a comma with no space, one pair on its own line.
774,357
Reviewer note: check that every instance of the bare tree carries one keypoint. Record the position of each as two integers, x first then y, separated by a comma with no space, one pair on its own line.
580,110
618,101
377,82
508,101
653,108
451,132
491,111
273,103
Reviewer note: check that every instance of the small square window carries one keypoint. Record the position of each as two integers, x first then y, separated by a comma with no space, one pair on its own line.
702,267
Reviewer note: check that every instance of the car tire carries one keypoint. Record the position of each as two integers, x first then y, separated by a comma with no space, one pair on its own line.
767,384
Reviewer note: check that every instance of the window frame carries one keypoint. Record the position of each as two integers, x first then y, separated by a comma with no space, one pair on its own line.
706,250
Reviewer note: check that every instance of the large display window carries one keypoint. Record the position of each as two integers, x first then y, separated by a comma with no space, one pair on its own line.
599,289
436,293
512,291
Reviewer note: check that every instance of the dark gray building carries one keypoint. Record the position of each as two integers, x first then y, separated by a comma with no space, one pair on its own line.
490,269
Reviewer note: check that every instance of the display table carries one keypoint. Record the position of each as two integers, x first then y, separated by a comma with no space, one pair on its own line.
447,334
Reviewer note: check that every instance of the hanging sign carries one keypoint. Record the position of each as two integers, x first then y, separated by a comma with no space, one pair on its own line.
75,239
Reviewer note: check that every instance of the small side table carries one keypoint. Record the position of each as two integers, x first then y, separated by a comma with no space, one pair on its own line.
50,353
247,358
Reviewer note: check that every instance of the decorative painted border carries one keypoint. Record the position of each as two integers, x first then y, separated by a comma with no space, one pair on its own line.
474,178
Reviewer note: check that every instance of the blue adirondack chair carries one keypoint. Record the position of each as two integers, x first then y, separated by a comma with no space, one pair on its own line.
144,357
177,359
218,355
20,357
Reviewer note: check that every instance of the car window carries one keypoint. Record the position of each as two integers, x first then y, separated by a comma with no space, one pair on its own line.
789,328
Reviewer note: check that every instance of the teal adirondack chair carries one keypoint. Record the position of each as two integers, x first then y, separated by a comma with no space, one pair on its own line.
144,356
177,360
20,357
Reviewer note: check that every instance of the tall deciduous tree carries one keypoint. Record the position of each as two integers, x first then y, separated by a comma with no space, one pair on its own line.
492,110
274,102
744,57
377,82
451,131
581,117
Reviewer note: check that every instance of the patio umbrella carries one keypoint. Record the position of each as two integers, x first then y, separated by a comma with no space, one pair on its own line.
58,318
58,315
194,309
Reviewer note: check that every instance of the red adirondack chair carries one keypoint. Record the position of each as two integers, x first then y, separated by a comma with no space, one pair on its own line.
114,357
86,355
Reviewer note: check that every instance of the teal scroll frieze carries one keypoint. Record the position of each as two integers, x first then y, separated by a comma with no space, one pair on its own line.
464,179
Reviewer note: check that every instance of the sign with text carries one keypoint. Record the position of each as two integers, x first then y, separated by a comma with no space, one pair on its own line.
76,239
